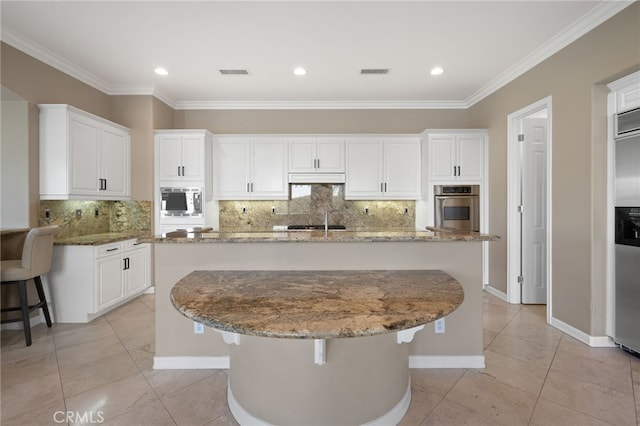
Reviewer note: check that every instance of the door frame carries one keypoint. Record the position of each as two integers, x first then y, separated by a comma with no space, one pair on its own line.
513,219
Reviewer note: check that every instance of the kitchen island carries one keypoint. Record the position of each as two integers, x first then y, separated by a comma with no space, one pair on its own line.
341,311
457,254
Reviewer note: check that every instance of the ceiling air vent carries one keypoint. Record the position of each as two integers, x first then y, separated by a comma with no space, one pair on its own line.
374,71
234,72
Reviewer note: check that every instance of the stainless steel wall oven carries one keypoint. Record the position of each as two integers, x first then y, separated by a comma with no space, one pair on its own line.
457,207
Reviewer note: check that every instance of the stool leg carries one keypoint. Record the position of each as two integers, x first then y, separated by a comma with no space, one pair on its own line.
24,307
45,308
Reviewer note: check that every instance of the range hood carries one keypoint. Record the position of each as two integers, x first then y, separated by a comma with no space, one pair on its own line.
316,178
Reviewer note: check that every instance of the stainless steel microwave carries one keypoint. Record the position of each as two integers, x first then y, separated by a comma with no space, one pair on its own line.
181,202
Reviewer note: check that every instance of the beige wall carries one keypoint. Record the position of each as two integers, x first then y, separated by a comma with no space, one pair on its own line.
136,113
321,121
574,78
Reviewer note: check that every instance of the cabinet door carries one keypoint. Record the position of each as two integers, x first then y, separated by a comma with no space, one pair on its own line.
269,170
302,156
330,155
231,169
137,275
109,289
193,158
363,169
84,145
402,168
442,156
115,155
470,157
170,158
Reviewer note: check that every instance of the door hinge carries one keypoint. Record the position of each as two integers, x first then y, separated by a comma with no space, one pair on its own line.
520,279
521,209
521,138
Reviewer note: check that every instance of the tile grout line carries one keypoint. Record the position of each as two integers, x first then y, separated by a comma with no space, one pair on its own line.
159,399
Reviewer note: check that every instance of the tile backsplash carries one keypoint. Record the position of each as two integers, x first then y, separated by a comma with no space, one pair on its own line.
77,218
307,205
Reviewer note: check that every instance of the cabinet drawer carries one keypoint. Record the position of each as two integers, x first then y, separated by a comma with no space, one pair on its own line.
133,244
108,249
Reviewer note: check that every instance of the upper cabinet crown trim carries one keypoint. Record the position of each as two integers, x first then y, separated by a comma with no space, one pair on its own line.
71,108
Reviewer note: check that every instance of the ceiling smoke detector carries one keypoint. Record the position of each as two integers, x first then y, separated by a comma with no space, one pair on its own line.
374,71
234,72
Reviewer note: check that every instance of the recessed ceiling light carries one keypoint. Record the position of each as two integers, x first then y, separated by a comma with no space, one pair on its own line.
161,71
299,71
436,70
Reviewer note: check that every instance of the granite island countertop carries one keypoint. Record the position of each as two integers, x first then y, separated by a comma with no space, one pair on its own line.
316,304
356,235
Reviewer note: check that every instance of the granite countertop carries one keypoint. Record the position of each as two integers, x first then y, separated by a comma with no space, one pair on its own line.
98,239
357,235
316,304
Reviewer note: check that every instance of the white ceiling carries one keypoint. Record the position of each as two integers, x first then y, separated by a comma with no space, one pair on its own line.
115,46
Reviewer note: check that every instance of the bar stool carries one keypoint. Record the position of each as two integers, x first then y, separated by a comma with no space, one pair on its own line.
35,261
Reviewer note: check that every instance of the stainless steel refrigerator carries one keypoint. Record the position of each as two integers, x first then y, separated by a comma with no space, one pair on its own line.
627,240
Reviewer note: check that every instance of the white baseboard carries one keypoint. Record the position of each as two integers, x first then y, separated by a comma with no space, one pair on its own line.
497,293
593,341
190,362
222,362
33,321
150,290
447,361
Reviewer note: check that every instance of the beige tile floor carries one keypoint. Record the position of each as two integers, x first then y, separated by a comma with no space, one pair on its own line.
535,375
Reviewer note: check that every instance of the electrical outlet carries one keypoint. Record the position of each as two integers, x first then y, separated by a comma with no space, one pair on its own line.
273,210
244,210
47,213
366,210
198,328
439,326
406,210
78,214
96,212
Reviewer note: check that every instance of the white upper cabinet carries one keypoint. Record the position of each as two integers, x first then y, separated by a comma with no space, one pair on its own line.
184,156
383,168
455,156
250,168
82,156
316,155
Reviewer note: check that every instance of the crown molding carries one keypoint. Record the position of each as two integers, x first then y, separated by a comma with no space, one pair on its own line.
56,61
320,105
596,16
603,11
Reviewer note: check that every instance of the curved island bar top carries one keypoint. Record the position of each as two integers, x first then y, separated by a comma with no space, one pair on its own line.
359,321
316,304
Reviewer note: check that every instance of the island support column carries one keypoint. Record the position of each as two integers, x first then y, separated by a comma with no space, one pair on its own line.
275,381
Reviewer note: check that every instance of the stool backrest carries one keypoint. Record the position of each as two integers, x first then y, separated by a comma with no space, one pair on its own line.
37,250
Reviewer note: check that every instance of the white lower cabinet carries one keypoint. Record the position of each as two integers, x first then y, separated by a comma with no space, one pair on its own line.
88,281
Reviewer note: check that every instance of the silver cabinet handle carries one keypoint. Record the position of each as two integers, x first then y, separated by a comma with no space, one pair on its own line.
248,187
113,249
318,164
385,187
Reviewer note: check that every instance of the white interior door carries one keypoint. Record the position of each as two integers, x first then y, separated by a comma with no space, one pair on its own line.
534,208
